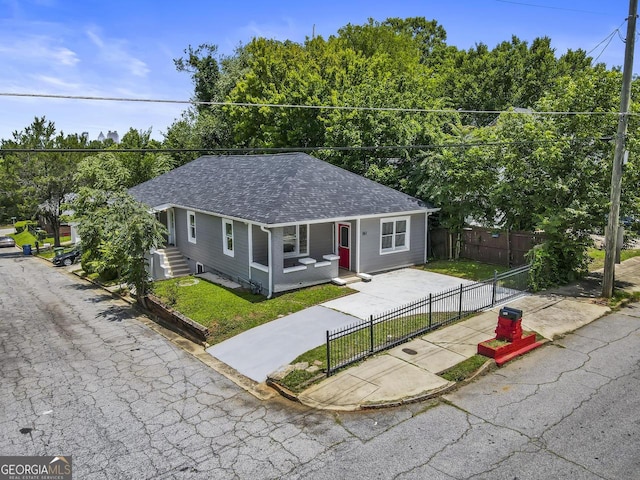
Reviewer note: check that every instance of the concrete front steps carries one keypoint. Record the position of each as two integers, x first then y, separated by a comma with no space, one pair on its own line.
173,262
348,277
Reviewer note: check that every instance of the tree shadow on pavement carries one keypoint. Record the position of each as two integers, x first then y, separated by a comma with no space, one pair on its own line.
588,287
115,313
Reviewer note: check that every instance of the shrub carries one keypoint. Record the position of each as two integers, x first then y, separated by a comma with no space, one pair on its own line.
23,225
87,262
557,261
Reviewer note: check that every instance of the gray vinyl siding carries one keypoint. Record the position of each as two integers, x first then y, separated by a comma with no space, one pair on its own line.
261,278
320,240
209,241
372,261
260,242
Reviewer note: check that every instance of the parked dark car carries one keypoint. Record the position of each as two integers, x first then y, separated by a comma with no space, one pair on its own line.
7,242
67,259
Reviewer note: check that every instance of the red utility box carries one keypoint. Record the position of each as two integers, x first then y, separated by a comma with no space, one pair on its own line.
509,341
509,324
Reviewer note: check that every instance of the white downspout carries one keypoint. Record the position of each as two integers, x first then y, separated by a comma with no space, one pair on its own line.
268,232
250,242
426,234
358,234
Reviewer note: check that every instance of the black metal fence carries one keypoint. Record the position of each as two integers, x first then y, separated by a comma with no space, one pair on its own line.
355,342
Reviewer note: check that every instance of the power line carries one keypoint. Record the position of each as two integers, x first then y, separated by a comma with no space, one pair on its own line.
316,107
550,7
299,149
607,39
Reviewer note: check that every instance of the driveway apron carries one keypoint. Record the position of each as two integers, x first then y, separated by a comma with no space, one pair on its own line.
262,350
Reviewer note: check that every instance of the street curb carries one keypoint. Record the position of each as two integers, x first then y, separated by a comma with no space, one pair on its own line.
486,366
285,392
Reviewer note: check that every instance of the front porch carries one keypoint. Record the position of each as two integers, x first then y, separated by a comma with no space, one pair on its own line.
290,257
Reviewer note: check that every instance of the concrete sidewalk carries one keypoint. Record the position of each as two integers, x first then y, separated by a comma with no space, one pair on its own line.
399,375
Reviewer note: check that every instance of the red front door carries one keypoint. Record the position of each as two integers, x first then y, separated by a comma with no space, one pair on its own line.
344,245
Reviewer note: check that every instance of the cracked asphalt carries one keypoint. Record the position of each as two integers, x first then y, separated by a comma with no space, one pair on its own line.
81,376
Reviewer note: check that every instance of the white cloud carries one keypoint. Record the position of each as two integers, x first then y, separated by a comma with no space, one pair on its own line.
115,52
93,36
40,48
65,56
57,82
287,29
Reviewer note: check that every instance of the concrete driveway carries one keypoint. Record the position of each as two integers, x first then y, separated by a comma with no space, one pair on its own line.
264,349
390,290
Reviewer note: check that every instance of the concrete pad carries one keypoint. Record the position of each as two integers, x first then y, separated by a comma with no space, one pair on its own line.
340,392
262,350
563,317
218,280
459,339
361,306
390,290
381,379
429,356
530,304
485,322
628,274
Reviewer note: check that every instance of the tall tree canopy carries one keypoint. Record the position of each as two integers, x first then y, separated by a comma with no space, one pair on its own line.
36,183
518,169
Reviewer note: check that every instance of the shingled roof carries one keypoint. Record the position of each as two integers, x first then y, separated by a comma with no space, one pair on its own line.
273,189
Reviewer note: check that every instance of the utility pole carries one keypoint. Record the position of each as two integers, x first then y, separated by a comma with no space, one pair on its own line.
611,235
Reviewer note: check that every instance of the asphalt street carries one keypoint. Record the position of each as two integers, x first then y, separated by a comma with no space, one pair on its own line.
81,376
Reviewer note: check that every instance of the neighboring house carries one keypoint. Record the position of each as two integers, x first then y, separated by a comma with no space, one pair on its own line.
281,222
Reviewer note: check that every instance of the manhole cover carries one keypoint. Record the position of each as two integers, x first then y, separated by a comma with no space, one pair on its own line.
409,351
189,282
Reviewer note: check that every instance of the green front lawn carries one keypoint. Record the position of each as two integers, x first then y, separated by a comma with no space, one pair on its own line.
469,269
26,238
597,257
228,312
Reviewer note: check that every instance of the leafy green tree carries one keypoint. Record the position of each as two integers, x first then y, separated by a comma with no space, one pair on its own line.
145,165
460,178
37,183
122,231
202,64
111,225
117,232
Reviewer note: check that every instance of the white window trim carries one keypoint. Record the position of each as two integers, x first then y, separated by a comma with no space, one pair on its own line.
227,251
407,235
296,252
192,238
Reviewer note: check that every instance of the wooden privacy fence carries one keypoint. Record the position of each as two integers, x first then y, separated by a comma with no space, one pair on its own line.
485,245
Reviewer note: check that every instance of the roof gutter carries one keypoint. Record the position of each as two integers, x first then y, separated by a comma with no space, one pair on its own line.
166,206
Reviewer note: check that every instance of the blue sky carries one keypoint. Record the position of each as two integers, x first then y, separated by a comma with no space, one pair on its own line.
126,49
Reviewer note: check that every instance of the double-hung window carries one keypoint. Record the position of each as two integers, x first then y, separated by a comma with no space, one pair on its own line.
394,234
295,240
227,237
191,226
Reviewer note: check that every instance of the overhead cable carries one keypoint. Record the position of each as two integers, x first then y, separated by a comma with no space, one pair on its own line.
299,106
